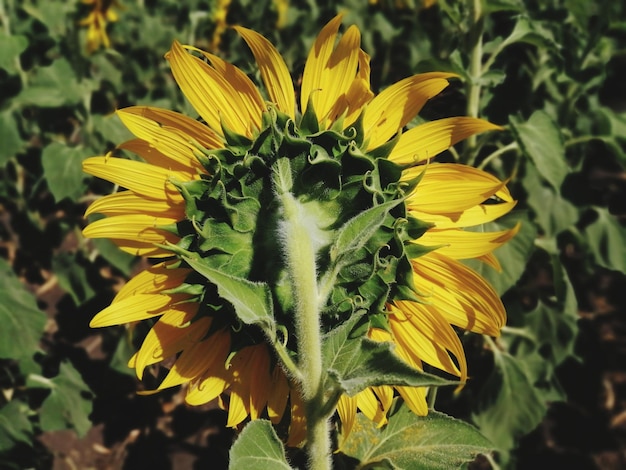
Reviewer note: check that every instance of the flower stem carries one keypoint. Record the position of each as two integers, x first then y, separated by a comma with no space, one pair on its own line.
475,71
300,255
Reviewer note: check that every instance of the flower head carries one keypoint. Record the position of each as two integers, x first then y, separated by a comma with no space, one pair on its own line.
205,201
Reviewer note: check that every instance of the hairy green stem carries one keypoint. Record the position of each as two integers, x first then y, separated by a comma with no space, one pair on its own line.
497,153
299,252
475,71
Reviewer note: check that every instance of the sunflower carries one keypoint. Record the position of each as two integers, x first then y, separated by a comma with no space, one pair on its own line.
205,201
102,13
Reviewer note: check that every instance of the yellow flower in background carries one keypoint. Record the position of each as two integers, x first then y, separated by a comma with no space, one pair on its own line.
282,8
220,13
182,194
102,13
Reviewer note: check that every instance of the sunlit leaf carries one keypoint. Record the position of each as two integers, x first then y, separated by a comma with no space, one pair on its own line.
258,447
62,167
9,136
10,49
14,425
607,238
414,442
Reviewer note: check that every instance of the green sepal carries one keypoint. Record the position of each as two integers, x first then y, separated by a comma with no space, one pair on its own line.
384,150
308,123
235,140
252,301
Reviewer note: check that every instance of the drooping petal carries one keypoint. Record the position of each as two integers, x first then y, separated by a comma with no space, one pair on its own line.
368,404
277,400
463,244
430,139
450,187
346,409
141,178
476,215
202,358
462,296
171,334
297,425
421,333
273,70
157,278
359,93
395,106
135,308
136,234
128,203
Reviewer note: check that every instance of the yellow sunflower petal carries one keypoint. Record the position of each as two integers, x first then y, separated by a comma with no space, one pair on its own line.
462,296
428,140
157,278
277,400
395,106
422,333
131,232
346,409
415,399
273,70
463,244
316,64
170,335
194,129
141,178
477,215
368,404
206,390
136,308
297,425
210,93
128,203
359,93
450,187
199,359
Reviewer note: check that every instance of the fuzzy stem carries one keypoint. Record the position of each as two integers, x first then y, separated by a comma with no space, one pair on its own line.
475,71
299,254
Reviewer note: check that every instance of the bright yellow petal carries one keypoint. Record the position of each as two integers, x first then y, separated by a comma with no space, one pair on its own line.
210,93
450,187
141,178
477,215
422,333
170,335
463,244
316,65
156,279
415,399
136,308
206,390
135,232
273,70
368,404
201,133
462,296
346,409
395,106
198,360
128,203
297,425
359,93
428,140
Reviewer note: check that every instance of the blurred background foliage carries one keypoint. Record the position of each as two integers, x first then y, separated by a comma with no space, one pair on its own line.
549,392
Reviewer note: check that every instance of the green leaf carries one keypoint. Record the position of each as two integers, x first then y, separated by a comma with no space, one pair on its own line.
513,255
492,6
414,442
10,49
607,238
72,277
508,406
53,13
10,137
54,86
252,300
67,405
63,170
22,321
356,232
259,448
111,127
354,362
542,141
14,425
562,213
530,32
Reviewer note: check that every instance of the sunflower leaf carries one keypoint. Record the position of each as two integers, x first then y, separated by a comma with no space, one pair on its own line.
258,447
353,362
252,301
15,427
436,441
